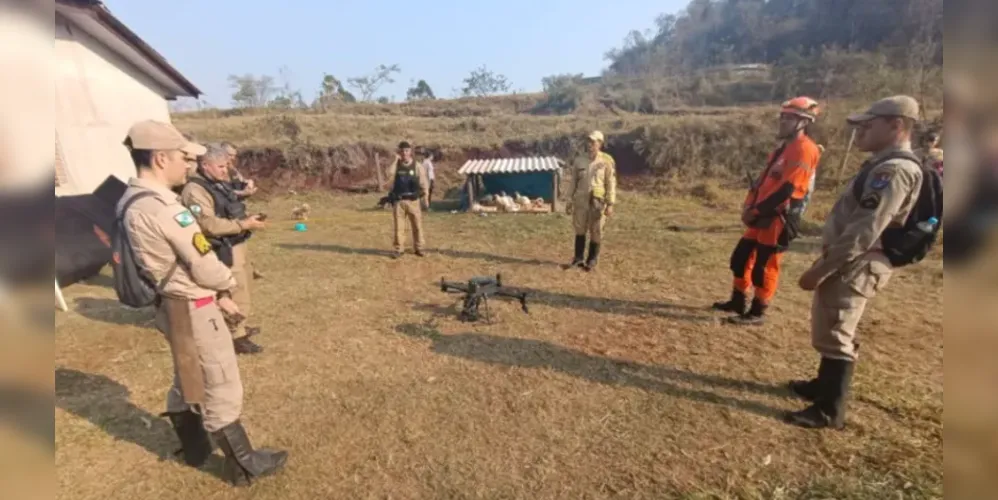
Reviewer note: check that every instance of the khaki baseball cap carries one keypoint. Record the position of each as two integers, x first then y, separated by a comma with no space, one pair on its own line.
896,106
596,135
155,135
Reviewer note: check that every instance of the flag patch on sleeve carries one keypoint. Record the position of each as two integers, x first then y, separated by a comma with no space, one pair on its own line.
184,218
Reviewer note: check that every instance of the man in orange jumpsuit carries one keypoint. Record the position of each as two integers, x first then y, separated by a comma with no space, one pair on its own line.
772,213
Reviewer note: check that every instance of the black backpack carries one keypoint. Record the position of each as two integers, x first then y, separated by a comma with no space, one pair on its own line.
908,244
134,285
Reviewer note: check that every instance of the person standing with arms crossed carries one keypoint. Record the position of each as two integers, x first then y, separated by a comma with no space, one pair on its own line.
592,193
194,290
853,267
222,216
408,192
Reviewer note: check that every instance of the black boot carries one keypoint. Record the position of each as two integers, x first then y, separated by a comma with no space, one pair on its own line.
808,390
243,464
756,314
735,305
580,251
593,256
829,410
243,345
194,442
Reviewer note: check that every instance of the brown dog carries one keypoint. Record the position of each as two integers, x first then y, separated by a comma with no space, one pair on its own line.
301,212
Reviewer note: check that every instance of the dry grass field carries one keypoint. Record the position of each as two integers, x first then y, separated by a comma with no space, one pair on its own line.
619,384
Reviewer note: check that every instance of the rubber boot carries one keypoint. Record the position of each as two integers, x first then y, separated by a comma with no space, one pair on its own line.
829,409
735,305
243,345
593,256
243,464
580,251
756,314
808,390
194,442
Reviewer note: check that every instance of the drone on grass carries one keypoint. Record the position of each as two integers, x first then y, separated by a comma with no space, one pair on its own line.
477,292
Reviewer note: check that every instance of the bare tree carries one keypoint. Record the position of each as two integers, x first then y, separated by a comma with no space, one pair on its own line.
368,85
482,82
249,91
286,98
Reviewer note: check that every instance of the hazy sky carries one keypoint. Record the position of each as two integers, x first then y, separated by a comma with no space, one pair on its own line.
439,41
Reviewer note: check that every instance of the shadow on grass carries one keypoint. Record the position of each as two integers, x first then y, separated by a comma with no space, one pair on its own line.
596,304
104,402
111,311
529,353
457,254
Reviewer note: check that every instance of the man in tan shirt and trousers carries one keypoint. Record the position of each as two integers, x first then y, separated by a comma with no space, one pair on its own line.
207,392
853,267
409,188
222,215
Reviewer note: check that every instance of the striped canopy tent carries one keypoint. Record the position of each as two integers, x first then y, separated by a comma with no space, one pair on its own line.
533,177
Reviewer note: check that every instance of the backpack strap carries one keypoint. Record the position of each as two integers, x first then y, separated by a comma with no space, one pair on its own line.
864,173
772,161
121,228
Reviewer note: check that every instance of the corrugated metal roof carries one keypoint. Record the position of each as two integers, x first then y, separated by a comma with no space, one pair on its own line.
510,165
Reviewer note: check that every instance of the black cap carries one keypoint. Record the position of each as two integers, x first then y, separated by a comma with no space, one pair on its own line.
404,145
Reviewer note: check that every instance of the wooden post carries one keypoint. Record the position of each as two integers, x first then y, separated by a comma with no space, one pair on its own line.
377,170
470,182
59,299
845,158
554,197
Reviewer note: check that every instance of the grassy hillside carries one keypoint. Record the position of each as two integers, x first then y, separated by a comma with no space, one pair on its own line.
339,148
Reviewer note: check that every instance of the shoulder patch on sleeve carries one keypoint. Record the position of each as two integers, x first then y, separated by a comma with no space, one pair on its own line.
870,201
881,179
201,244
195,209
184,218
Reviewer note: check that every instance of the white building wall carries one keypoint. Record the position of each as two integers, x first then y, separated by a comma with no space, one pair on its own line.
98,97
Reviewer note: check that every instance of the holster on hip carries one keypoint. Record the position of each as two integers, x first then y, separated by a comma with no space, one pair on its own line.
224,253
597,204
180,334
764,222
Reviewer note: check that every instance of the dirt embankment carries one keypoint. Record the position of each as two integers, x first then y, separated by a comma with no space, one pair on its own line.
688,148
352,167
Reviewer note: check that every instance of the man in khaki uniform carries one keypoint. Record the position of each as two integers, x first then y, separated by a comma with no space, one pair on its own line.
223,217
195,288
243,187
409,188
853,267
592,194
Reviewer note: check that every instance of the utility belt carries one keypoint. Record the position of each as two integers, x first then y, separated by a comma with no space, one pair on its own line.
405,196
790,215
223,246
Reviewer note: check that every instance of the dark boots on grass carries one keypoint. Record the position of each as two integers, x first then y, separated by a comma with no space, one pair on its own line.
828,394
243,464
580,259
754,316
194,443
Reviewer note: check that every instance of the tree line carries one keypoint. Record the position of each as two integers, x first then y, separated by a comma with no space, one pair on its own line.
252,91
